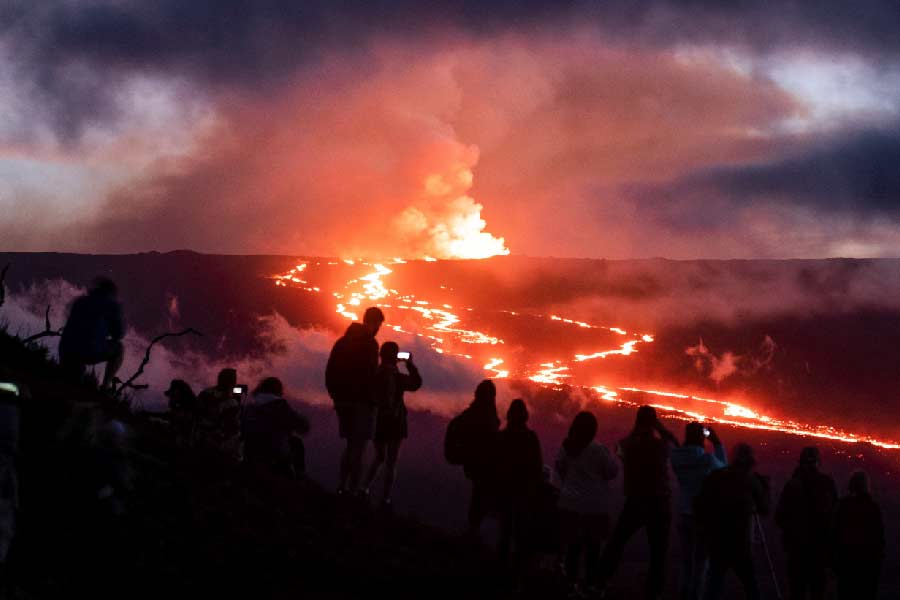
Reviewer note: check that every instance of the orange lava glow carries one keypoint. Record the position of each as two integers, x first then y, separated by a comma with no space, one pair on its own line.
443,327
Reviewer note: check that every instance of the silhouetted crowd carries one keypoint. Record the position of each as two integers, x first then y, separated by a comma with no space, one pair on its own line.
564,510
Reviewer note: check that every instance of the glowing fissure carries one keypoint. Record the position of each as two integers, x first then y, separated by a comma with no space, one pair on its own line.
441,326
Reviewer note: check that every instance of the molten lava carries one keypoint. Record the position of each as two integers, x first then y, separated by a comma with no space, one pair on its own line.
444,327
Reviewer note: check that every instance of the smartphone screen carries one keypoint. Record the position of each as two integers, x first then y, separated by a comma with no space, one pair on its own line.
705,432
403,355
237,390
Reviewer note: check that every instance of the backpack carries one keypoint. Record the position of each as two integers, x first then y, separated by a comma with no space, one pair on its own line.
455,450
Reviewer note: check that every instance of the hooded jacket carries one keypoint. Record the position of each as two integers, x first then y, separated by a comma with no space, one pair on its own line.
691,465
352,365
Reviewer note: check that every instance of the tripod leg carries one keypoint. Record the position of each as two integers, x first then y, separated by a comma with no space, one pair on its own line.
762,538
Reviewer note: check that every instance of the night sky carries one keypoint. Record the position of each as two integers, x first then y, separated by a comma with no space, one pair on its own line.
360,128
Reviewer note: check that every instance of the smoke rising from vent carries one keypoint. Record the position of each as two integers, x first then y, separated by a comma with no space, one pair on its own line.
719,367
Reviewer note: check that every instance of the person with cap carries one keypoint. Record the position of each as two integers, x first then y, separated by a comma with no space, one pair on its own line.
648,499
391,426
220,409
93,332
183,407
804,514
729,500
350,380
692,464
859,542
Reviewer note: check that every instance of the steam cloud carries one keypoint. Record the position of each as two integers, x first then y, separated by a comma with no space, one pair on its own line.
298,356
447,222
722,366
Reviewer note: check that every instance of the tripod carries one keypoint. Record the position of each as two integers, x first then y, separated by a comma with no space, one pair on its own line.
765,545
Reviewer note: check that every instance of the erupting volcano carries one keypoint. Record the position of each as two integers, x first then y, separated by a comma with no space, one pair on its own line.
551,350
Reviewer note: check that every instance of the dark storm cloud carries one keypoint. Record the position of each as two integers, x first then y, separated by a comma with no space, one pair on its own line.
74,53
856,175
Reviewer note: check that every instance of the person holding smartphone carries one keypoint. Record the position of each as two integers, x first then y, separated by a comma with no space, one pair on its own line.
692,464
391,424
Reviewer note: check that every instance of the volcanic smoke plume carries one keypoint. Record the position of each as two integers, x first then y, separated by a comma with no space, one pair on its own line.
446,222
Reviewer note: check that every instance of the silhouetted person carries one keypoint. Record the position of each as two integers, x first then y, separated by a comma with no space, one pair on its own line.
220,414
270,428
585,469
11,394
648,498
350,380
391,424
520,472
858,542
692,464
474,431
184,409
725,508
804,514
93,332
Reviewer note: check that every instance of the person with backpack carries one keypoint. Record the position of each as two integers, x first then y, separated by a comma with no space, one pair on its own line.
585,468
648,499
391,424
471,441
804,514
859,541
520,472
692,464
350,381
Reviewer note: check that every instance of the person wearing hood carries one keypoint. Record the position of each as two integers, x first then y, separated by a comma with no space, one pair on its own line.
391,425
270,428
692,464
350,378
804,514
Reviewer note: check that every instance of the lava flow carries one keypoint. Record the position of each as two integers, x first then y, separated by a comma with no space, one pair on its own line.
445,328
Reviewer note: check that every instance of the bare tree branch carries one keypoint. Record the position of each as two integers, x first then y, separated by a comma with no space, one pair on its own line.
129,383
47,332
3,284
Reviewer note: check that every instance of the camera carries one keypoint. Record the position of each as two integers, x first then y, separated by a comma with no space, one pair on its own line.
239,390
403,356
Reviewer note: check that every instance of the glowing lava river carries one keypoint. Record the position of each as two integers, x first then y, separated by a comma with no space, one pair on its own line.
480,335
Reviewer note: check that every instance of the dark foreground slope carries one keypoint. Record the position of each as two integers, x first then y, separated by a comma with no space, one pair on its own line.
196,526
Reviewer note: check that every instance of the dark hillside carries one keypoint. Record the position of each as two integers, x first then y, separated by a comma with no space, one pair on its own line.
193,524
